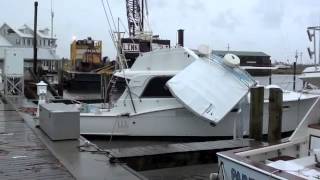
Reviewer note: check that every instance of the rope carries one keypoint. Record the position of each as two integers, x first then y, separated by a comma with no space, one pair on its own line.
114,24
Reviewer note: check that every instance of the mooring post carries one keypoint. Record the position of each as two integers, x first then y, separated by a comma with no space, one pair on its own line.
294,75
35,42
270,79
256,112
60,77
275,115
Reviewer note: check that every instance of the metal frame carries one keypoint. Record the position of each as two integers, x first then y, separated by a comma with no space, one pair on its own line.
14,85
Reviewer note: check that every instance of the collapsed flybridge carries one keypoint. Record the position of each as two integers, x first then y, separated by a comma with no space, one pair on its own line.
210,87
174,92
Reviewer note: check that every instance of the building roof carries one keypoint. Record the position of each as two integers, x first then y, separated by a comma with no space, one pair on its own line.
19,31
241,53
4,42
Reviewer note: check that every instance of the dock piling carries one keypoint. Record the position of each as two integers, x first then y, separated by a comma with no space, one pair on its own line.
181,37
256,112
275,115
60,78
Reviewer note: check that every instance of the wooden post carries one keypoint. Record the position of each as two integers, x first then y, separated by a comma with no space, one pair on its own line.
35,42
275,115
270,79
60,77
294,75
256,112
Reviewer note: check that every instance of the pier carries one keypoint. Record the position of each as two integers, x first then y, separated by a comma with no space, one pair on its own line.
23,155
26,152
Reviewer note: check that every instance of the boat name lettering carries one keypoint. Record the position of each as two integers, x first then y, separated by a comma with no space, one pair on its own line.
236,175
130,47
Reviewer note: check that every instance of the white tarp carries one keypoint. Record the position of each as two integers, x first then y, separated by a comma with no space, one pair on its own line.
210,89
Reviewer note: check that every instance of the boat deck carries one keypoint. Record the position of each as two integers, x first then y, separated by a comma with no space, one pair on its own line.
22,154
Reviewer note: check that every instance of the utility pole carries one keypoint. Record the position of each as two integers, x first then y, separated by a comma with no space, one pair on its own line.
35,50
294,70
52,16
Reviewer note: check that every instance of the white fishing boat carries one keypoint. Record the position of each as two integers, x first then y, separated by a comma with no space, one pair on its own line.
311,75
174,92
296,158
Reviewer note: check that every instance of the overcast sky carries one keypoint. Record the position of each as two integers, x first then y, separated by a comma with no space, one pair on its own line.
277,27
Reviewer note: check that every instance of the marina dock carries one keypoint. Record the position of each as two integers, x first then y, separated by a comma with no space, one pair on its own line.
23,155
27,152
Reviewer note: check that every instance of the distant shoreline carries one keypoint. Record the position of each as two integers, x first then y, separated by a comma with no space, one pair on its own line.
289,71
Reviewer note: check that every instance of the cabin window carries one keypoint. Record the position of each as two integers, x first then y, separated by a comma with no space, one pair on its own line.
157,88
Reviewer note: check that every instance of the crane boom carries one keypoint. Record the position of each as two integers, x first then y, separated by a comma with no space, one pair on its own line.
135,16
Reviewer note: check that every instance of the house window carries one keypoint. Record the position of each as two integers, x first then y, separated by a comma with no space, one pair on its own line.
10,31
156,88
24,41
18,41
28,42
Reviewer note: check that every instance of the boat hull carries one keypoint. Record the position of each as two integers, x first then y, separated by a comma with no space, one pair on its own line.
312,78
233,169
180,122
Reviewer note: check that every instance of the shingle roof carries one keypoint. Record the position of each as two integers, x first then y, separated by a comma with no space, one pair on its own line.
26,35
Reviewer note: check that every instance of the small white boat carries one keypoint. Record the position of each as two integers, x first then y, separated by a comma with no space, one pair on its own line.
164,97
296,158
311,75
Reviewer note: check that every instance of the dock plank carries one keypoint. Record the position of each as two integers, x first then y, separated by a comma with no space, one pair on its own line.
22,155
173,155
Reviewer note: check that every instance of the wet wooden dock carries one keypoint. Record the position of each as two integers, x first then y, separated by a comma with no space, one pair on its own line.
173,155
22,154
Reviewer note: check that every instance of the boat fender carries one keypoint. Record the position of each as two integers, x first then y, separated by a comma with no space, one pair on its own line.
231,60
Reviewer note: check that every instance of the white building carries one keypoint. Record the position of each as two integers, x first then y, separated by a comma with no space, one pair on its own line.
22,39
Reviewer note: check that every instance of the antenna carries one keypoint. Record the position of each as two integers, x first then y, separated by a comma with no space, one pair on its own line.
52,16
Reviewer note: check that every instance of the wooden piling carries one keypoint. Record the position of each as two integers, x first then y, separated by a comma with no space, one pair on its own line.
60,78
256,112
294,75
275,115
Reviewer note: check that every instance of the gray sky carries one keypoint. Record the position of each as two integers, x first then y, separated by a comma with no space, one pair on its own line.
277,27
